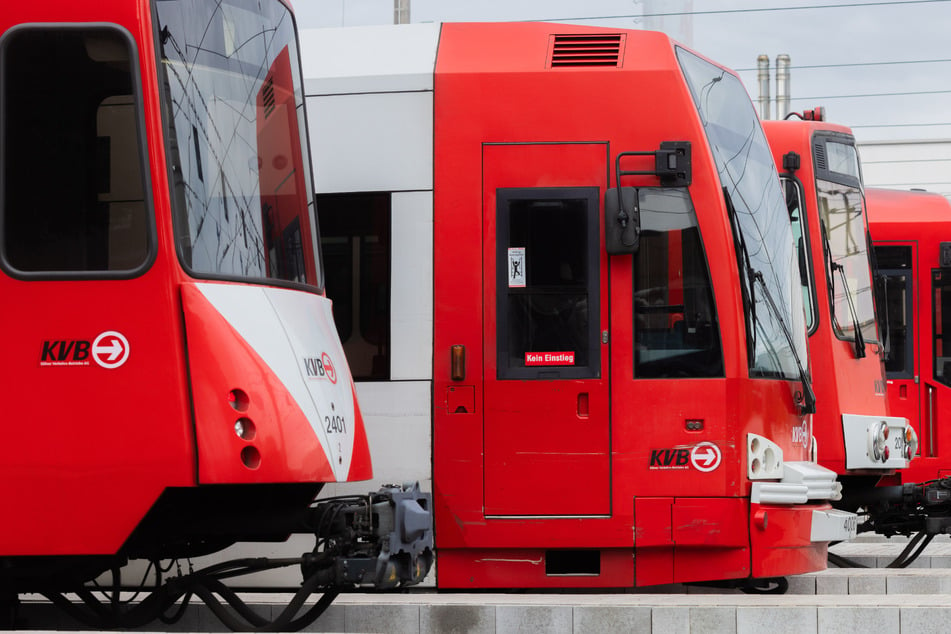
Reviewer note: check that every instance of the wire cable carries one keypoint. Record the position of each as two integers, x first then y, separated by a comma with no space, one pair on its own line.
849,5
854,64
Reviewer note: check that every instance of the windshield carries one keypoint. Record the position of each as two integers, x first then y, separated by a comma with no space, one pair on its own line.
234,114
761,221
842,214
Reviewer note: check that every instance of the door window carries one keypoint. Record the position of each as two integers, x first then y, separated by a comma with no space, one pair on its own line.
548,283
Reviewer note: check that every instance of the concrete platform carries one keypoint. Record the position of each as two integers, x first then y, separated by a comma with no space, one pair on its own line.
875,551
848,600
578,614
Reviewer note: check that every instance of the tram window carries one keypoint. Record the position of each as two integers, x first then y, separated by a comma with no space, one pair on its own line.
941,286
355,242
893,290
676,333
841,211
73,198
793,195
548,283
893,257
895,295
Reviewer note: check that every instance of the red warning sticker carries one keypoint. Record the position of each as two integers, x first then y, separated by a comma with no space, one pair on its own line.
549,358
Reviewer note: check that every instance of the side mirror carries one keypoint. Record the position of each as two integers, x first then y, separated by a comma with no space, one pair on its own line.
622,220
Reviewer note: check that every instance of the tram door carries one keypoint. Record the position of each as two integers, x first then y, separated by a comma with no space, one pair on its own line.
936,397
547,416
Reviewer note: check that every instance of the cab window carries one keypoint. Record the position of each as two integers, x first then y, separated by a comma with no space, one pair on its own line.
676,333
73,201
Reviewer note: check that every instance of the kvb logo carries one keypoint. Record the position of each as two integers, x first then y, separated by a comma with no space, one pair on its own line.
676,458
703,457
109,350
65,352
322,368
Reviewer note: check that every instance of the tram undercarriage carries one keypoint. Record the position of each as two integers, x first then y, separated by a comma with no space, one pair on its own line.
381,541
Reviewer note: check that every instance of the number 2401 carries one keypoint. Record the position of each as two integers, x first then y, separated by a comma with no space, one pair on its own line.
335,424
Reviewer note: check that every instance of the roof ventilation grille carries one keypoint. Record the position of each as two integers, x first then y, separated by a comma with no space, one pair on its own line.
586,50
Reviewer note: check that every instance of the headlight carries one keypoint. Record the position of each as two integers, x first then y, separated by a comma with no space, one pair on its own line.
878,442
764,458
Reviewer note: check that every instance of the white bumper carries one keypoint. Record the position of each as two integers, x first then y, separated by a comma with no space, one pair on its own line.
858,431
832,525
801,482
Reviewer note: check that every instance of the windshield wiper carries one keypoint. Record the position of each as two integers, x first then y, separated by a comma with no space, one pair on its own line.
746,270
880,281
830,282
856,327
808,401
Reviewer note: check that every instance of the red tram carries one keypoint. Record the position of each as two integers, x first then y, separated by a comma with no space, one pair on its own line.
908,231
912,270
824,191
174,379
618,383
871,441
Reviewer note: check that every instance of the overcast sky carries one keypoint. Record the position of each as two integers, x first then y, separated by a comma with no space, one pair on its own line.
855,39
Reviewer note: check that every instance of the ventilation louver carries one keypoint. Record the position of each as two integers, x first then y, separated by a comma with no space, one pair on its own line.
586,50
821,162
268,96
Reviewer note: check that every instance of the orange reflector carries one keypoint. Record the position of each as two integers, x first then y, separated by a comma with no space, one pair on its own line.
458,363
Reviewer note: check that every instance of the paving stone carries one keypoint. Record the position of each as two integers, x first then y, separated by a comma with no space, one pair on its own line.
450,619
930,620
704,620
869,561
832,584
670,620
776,620
920,562
382,618
802,584
851,619
859,584
334,619
533,619
914,584
942,561
607,618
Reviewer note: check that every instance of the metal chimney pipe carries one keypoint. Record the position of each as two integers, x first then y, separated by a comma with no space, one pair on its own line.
783,91
762,76
400,11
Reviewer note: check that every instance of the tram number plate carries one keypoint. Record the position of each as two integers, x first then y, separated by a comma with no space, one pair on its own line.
829,525
851,524
899,444
336,424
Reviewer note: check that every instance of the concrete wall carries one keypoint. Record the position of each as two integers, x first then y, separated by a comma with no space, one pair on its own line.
908,164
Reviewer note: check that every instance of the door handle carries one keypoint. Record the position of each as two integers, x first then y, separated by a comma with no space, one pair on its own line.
931,397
